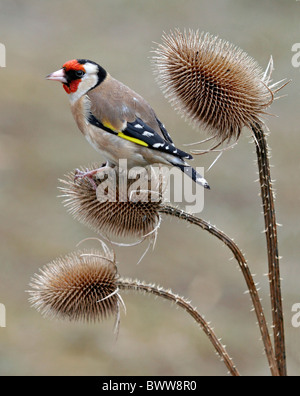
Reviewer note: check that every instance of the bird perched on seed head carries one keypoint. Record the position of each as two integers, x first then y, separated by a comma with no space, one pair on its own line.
118,122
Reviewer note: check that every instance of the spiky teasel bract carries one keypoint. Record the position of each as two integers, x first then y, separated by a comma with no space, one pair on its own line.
85,286
213,83
120,205
80,286
219,87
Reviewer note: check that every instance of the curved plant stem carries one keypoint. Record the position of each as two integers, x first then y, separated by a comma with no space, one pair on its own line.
169,210
128,284
272,245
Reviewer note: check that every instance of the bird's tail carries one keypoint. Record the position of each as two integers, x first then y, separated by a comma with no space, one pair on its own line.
193,174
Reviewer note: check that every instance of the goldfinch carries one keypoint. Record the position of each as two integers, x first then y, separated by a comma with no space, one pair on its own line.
117,121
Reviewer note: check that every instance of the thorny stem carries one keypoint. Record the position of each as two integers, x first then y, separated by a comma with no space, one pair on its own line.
272,245
169,210
128,284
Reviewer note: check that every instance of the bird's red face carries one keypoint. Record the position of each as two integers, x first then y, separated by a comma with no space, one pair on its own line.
78,77
70,75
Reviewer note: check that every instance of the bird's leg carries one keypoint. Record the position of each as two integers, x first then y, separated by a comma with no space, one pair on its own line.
89,175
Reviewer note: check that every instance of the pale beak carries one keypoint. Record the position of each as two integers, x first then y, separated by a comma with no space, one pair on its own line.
58,75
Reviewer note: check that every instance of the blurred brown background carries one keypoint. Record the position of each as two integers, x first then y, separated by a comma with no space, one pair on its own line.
39,143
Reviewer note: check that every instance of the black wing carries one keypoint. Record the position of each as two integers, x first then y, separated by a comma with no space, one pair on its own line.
164,131
141,131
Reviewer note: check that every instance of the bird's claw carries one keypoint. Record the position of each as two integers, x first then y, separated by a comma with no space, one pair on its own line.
89,175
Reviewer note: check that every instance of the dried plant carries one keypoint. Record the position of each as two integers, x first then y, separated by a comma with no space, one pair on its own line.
219,87
76,287
86,286
118,213
212,83
76,194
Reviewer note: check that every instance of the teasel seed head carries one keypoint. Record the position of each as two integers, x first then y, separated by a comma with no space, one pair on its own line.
85,286
121,213
80,286
212,83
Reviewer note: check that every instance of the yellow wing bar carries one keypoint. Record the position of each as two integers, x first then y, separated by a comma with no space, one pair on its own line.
131,139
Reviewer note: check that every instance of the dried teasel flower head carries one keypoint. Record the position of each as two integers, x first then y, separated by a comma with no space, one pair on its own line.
80,286
212,83
123,204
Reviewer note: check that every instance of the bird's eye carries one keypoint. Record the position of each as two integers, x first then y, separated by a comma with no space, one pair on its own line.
79,73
